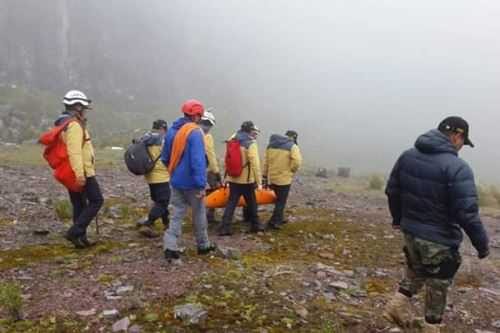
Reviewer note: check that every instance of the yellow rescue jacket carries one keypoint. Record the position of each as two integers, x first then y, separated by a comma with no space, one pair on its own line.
250,160
160,173
281,160
210,151
80,149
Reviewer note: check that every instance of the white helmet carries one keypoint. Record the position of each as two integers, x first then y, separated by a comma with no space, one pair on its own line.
73,97
209,116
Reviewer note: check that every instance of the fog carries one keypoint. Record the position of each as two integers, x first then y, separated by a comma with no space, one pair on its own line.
359,80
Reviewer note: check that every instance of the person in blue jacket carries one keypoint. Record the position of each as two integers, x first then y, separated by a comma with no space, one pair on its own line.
184,155
432,197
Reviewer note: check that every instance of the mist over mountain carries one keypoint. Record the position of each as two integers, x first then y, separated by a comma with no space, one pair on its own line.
358,80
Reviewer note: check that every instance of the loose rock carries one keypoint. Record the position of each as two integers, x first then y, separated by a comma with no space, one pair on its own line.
191,313
121,325
126,290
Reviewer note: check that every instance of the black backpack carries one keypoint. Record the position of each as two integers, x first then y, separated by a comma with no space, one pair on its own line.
138,159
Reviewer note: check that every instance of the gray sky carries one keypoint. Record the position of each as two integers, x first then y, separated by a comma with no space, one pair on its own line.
358,79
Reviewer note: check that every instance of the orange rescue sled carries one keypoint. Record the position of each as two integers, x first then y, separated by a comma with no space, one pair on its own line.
218,198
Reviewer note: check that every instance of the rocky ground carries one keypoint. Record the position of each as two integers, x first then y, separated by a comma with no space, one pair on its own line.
331,269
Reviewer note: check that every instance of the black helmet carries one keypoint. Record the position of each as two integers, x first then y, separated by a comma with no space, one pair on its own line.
159,124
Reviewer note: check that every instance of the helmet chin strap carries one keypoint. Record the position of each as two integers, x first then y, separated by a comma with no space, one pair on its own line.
79,116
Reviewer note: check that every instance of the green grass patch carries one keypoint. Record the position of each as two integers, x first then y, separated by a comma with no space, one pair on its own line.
29,255
32,155
64,210
10,299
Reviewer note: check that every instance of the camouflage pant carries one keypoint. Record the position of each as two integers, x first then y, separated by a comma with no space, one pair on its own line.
433,265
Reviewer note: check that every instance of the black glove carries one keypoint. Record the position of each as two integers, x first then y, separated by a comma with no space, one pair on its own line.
218,178
264,181
483,254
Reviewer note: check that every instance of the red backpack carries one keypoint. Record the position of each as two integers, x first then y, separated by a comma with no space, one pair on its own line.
56,154
234,165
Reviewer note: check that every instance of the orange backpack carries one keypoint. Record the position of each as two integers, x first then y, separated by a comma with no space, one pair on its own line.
56,154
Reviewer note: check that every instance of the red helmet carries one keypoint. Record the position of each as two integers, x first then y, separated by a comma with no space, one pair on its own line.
193,107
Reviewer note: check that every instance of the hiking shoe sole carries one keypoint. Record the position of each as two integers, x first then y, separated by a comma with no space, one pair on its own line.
76,241
210,248
148,233
274,226
171,255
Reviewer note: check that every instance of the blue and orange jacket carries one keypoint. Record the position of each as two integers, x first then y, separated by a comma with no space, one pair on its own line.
190,173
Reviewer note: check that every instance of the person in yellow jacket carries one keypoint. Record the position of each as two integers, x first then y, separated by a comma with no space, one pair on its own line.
86,204
282,159
158,180
213,173
244,185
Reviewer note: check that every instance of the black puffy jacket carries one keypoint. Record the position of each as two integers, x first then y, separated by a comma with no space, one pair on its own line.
432,194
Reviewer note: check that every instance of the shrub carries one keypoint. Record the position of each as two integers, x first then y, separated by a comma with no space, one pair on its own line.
10,298
486,198
376,183
64,210
496,194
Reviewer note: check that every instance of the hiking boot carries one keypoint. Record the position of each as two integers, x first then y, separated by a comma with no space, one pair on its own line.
275,226
431,328
171,255
256,229
208,249
393,309
142,222
284,221
165,223
225,232
86,242
77,241
211,219
148,232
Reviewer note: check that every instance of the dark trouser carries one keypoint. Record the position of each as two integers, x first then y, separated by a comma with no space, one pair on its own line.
235,192
211,215
247,214
86,205
281,198
160,194
433,265
213,182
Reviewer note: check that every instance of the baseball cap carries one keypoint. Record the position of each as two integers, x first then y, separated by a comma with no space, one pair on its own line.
292,134
457,125
248,126
160,123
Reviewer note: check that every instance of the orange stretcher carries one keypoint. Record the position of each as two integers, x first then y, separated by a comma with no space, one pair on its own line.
218,198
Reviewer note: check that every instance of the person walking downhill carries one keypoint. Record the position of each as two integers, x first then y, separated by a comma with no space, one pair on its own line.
432,196
158,181
184,155
244,182
87,200
213,173
281,161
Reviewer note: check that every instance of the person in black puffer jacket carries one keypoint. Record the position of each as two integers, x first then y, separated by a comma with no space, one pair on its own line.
432,196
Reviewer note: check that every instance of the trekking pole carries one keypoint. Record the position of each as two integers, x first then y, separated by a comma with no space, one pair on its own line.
97,225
